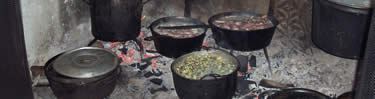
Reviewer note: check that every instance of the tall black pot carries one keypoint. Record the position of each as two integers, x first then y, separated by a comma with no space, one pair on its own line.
242,40
340,30
174,47
116,20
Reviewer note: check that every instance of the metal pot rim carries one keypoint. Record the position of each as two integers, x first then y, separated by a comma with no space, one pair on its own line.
301,90
197,52
273,20
344,7
159,21
350,6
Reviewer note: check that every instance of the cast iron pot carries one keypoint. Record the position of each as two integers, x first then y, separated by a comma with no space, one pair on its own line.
340,30
174,47
64,87
209,87
242,40
116,20
294,93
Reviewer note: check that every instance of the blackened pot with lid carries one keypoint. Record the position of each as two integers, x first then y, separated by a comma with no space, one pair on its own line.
63,87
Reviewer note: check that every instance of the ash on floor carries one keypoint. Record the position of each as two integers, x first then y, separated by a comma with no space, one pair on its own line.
151,78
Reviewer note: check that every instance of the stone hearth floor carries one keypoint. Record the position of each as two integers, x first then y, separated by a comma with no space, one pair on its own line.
291,61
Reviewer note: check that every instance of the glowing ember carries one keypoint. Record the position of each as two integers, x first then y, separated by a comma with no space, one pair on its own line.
248,67
113,44
141,34
204,44
239,74
154,63
143,17
130,55
146,56
123,58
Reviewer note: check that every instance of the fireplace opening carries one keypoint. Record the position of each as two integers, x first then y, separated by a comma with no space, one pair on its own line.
277,49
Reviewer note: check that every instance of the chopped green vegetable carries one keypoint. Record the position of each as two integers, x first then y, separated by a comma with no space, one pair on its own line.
195,66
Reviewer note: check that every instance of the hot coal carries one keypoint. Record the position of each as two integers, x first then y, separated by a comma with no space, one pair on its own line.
153,73
148,74
124,50
134,65
253,61
244,23
179,33
156,81
154,90
146,62
144,65
243,62
243,86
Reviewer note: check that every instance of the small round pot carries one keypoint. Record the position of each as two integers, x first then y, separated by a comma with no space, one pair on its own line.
214,87
239,39
174,47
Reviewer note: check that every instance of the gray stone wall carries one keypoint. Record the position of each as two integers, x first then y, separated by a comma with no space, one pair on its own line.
53,26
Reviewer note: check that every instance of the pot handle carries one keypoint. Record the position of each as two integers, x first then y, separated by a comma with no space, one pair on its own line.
151,38
208,48
211,77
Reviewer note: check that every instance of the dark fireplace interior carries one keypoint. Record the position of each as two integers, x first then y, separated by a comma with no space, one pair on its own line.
312,50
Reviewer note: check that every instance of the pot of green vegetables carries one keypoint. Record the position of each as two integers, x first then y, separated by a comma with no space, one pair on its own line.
205,75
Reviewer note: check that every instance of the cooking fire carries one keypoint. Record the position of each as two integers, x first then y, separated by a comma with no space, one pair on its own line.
232,55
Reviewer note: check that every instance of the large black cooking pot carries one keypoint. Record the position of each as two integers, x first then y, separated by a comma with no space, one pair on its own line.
63,87
340,30
242,40
174,47
116,20
209,86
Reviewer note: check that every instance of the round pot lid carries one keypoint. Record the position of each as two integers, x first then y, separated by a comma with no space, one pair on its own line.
86,62
298,93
